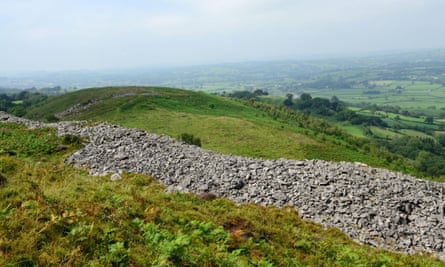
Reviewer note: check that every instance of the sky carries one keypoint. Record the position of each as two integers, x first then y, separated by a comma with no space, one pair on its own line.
55,35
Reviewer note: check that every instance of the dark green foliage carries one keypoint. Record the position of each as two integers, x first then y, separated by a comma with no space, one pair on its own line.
71,139
308,105
5,102
333,108
441,139
248,94
18,103
52,118
17,110
409,146
430,164
426,153
190,139
288,102
429,119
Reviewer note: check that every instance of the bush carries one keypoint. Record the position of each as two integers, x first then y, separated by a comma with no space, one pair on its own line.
71,139
51,118
190,139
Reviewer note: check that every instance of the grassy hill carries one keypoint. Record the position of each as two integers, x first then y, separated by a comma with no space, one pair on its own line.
54,215
224,125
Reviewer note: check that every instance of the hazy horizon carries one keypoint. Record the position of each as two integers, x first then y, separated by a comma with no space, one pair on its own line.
50,35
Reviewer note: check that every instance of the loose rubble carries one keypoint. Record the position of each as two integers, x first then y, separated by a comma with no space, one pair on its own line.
77,109
373,206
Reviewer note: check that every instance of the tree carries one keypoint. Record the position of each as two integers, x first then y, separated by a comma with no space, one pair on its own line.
441,140
335,103
305,97
429,120
18,111
260,92
305,101
288,101
321,106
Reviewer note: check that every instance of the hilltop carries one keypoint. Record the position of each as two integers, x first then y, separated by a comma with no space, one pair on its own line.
225,125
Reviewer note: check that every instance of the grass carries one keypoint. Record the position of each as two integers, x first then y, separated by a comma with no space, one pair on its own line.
14,143
223,125
221,133
252,129
384,133
355,130
415,133
398,125
54,215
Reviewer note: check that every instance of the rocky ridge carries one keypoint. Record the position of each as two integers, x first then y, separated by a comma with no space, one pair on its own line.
374,206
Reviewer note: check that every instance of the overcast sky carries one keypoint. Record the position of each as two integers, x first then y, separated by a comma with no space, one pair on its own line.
95,34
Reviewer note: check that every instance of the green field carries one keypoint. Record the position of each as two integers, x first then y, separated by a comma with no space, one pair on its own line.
398,125
418,96
352,129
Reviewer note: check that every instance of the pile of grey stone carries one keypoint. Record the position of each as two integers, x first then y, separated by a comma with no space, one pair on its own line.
373,206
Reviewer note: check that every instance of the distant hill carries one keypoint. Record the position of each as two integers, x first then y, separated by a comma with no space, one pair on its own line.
278,77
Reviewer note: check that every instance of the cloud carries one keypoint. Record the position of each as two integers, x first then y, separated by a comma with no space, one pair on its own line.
101,33
194,17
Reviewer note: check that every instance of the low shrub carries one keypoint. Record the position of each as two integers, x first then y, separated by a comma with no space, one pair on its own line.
190,139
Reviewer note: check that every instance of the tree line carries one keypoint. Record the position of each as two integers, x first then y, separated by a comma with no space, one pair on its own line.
421,156
330,108
17,103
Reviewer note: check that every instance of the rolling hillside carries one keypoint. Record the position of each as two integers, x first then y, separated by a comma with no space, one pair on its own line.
143,224
223,125
52,214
